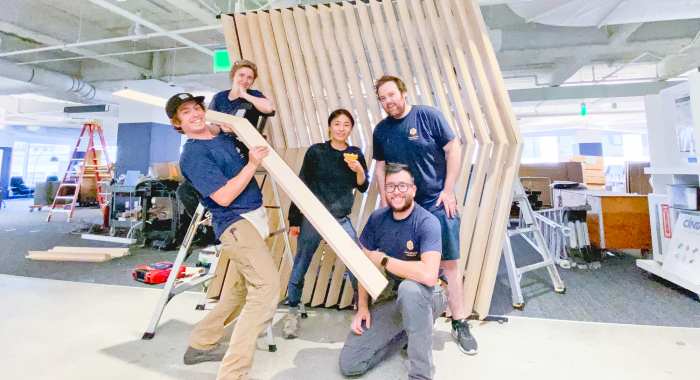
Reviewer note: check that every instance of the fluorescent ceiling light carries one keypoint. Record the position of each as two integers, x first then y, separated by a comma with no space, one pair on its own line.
141,97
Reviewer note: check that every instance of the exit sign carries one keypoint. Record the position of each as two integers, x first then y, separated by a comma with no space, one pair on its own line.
221,60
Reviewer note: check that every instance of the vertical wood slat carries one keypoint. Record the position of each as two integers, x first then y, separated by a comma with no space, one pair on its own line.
310,59
290,78
273,61
346,297
231,36
351,70
371,43
400,50
322,56
302,78
244,37
323,276
341,80
311,273
264,78
380,27
336,283
419,69
432,65
353,32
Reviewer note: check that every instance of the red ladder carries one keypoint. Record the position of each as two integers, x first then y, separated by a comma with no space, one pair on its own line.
74,179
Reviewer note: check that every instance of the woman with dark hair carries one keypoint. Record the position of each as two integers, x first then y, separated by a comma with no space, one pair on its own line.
331,170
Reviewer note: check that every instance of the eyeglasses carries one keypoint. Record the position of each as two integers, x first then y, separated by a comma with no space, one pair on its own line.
403,187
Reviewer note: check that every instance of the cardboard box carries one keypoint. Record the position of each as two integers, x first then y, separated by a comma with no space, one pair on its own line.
594,166
587,159
168,170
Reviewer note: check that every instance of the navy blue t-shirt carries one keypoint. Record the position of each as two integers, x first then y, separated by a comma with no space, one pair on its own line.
209,165
405,239
220,103
417,140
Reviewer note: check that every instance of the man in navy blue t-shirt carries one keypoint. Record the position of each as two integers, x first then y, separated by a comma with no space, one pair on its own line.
405,240
225,181
421,138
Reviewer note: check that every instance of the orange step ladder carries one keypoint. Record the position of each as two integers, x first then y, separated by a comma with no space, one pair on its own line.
91,164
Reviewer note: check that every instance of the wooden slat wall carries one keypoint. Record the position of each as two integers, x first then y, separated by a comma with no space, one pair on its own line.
316,59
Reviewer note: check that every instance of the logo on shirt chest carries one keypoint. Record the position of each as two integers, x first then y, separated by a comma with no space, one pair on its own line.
413,134
410,252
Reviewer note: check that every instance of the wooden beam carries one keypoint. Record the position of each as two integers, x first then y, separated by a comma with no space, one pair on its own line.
68,256
343,245
329,90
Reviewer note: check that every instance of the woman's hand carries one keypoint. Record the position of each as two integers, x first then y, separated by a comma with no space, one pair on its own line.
354,165
294,231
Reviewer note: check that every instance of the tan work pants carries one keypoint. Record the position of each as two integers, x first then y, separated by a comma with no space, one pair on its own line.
253,298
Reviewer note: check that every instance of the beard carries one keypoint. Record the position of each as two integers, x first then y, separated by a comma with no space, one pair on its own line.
407,204
400,108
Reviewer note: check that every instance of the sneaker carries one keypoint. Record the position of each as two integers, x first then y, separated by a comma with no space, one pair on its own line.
195,356
465,339
291,326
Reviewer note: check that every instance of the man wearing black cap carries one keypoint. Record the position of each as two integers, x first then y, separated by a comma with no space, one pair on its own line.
225,180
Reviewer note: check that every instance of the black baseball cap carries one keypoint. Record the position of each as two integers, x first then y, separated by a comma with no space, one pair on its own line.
179,99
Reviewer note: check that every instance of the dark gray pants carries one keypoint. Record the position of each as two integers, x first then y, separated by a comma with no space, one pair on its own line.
406,315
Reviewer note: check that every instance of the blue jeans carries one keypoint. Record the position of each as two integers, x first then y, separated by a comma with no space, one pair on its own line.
307,243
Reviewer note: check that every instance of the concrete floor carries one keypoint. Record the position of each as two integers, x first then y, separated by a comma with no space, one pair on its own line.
68,330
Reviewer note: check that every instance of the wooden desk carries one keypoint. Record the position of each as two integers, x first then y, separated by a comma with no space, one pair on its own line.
616,221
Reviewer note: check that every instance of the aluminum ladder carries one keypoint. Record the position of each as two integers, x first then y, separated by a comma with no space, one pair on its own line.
173,288
530,226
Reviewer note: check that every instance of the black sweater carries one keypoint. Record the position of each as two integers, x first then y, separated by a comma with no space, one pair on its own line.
327,175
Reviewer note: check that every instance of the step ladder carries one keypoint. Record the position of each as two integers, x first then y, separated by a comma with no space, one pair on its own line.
81,167
173,288
531,232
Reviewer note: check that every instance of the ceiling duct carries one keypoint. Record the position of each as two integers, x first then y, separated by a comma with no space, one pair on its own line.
581,13
54,80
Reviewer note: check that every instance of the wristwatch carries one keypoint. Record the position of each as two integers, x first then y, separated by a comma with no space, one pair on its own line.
385,260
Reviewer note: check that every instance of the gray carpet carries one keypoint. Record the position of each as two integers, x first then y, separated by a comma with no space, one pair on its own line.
619,292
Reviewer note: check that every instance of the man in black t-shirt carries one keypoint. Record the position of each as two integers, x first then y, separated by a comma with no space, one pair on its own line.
405,240
225,181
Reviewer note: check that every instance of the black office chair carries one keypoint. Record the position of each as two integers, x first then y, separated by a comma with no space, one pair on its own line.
19,189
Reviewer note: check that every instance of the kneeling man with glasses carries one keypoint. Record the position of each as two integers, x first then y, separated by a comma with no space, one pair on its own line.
406,241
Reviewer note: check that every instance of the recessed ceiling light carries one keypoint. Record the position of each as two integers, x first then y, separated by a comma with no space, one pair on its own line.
141,97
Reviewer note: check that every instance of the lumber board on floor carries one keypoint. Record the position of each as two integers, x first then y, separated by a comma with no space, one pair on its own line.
68,256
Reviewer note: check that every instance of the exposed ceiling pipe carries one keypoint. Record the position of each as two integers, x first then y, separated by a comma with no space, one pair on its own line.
112,40
54,80
150,25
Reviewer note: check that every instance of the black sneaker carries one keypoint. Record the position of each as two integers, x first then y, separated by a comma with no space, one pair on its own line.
465,339
195,356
